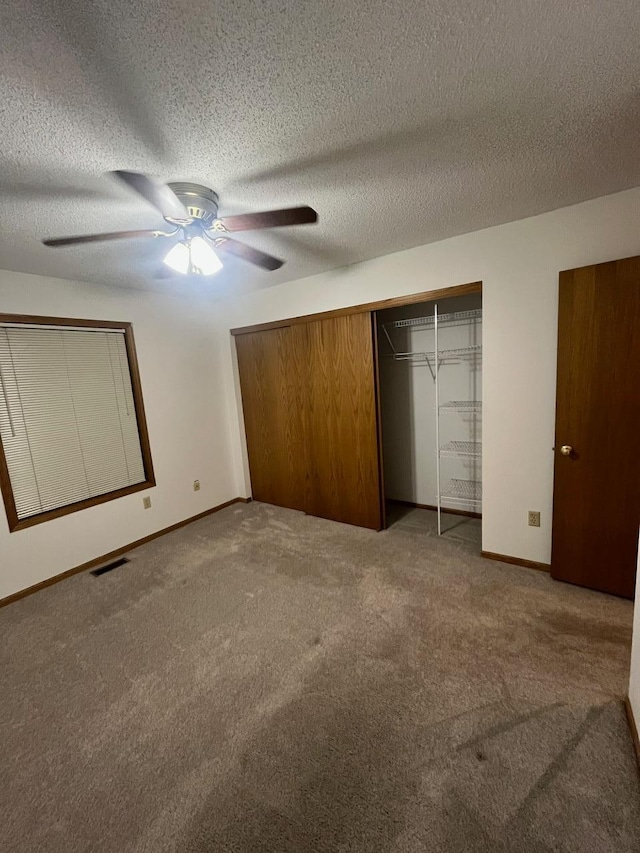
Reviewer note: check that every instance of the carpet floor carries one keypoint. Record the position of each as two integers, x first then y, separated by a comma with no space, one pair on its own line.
265,681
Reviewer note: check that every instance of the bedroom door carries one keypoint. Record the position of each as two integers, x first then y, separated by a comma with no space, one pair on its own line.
596,501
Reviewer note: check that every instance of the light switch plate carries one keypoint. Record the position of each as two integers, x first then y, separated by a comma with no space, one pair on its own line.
146,502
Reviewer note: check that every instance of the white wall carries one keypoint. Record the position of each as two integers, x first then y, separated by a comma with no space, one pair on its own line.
634,683
179,352
518,264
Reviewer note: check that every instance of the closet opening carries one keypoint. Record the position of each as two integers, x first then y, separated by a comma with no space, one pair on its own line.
430,415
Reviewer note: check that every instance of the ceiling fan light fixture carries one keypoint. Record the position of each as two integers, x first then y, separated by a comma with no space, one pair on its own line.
178,258
203,259
194,256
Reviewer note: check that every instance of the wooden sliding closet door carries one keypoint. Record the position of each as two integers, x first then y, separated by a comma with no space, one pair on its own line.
341,422
272,366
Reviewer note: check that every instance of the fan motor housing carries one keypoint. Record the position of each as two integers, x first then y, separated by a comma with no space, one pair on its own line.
200,201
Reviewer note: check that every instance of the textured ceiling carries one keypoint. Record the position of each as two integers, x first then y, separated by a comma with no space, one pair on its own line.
402,122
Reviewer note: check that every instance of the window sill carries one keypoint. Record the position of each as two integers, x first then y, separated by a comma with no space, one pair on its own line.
16,524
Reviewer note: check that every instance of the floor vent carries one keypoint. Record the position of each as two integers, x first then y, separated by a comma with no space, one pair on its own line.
109,567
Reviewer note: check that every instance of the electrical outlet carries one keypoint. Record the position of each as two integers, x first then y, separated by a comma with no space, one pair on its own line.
534,518
196,485
146,503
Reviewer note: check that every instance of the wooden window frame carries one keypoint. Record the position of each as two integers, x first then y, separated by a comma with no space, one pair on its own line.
149,482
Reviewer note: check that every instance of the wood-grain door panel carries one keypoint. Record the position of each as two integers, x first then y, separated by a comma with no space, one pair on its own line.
596,504
341,422
273,380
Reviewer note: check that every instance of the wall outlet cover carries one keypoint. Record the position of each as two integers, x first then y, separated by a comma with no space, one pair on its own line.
146,503
196,485
534,518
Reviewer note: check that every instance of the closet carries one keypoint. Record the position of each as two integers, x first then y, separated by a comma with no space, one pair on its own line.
347,409
430,362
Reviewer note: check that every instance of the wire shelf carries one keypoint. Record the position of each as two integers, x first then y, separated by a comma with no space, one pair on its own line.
471,352
458,318
462,406
461,448
463,491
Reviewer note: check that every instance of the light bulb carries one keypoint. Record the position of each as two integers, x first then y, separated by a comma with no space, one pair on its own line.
178,258
203,259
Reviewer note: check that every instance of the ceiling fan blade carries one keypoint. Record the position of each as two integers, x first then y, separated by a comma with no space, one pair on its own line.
156,193
270,219
98,238
248,253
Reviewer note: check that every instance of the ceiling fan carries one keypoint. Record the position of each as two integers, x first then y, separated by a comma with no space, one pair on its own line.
192,212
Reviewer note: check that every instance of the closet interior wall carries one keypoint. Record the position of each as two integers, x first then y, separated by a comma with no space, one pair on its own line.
408,403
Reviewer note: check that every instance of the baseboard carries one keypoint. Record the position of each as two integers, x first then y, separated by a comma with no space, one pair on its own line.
633,728
516,561
104,558
448,510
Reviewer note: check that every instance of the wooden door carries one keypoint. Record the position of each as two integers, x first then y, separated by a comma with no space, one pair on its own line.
596,502
342,439
272,367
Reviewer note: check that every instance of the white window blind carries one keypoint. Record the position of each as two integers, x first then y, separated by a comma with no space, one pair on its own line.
67,416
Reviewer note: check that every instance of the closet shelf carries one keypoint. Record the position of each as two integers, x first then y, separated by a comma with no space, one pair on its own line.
471,352
464,491
461,448
462,406
458,318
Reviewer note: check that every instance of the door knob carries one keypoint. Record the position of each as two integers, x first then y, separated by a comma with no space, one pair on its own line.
566,450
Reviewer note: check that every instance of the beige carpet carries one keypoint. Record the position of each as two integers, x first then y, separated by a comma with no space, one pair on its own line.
265,681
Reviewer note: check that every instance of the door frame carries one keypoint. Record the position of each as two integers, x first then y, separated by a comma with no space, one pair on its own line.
367,307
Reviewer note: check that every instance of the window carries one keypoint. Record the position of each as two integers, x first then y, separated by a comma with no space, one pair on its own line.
72,425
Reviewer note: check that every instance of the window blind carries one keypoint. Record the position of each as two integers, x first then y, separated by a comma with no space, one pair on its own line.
67,416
